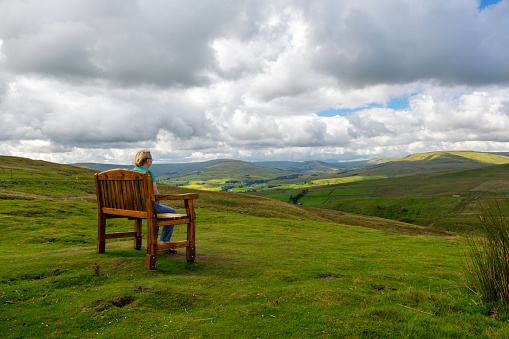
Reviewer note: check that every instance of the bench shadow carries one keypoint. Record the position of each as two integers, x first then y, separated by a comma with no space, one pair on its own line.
166,263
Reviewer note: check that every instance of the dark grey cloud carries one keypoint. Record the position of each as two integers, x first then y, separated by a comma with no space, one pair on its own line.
165,43
364,43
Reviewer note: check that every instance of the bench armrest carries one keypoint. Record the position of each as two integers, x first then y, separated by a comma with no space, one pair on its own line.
186,196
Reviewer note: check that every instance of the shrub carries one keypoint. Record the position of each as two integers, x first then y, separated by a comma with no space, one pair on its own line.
488,265
295,199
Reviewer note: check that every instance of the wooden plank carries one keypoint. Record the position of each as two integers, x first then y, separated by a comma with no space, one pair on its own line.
120,174
120,196
130,192
177,196
120,235
160,223
171,216
140,193
125,213
110,202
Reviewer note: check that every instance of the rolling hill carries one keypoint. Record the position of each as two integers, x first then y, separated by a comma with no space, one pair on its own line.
320,167
34,168
227,174
447,200
430,162
306,167
240,176
50,183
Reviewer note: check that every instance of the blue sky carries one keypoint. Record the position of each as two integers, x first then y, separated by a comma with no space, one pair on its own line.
399,103
485,3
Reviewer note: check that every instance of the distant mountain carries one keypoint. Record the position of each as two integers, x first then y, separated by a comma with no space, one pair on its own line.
158,169
383,167
308,167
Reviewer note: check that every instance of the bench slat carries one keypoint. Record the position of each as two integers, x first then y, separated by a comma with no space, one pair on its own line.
125,213
119,235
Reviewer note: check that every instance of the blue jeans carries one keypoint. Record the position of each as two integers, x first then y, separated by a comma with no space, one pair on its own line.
167,230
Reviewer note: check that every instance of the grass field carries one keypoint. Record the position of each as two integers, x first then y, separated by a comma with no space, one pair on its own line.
446,200
264,269
281,278
239,176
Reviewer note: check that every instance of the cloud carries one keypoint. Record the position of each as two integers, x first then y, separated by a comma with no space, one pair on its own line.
94,80
400,41
154,42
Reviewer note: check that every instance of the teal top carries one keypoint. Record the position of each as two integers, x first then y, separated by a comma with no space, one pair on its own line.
145,170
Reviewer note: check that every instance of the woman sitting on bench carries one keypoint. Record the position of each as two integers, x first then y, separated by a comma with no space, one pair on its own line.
142,161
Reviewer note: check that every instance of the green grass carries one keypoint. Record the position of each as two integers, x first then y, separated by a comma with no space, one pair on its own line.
226,173
416,210
238,176
281,278
444,200
264,269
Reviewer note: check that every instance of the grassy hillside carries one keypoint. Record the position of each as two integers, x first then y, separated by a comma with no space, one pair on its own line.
226,175
27,168
319,167
446,200
431,162
240,176
264,269
22,178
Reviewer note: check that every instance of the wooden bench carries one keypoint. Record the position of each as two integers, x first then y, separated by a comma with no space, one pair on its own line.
124,193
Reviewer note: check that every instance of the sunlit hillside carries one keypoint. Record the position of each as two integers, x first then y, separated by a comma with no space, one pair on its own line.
447,200
431,162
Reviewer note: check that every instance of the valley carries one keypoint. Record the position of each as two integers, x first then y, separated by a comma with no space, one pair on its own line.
440,190
264,267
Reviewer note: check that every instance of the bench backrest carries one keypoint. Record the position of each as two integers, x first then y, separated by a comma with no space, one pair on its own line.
125,192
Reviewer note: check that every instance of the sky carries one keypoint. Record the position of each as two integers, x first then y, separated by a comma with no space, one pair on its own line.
331,80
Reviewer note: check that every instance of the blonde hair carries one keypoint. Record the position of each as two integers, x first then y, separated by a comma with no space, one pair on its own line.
141,157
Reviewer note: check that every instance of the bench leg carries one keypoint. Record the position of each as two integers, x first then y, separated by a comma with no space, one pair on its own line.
101,246
151,244
190,254
137,239
151,262
191,250
101,234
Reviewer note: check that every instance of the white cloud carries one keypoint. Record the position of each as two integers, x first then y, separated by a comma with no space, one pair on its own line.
96,80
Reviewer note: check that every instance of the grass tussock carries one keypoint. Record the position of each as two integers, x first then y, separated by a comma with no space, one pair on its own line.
488,268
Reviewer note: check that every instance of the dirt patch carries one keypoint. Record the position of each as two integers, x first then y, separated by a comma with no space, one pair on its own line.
381,288
119,301
330,276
